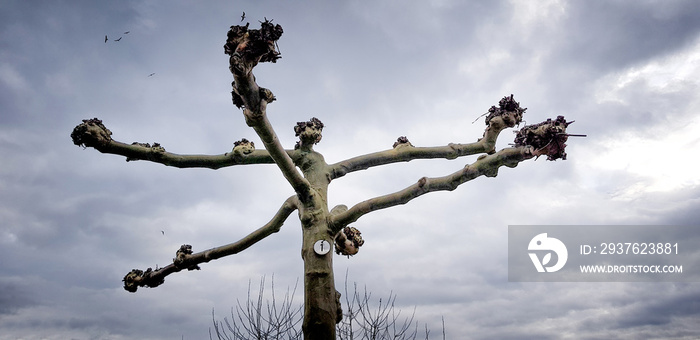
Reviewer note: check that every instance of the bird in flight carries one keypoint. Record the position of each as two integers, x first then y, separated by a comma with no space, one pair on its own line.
151,75
127,32
163,232
106,39
243,16
120,38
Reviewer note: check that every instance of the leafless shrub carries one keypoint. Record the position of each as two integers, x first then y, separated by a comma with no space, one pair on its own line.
252,321
363,318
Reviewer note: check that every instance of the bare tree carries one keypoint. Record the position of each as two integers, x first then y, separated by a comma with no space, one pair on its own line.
251,321
380,320
309,175
363,319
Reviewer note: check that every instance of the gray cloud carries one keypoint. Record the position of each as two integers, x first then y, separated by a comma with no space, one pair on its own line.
605,35
14,297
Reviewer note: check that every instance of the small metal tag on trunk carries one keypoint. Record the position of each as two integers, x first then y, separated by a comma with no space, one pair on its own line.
322,247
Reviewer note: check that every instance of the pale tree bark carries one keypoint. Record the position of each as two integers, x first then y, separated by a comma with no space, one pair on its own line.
309,175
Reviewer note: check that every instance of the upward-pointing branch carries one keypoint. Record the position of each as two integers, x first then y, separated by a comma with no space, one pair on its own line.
246,49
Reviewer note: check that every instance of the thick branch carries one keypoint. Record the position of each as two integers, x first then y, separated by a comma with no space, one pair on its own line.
264,129
507,115
185,259
92,133
546,138
404,154
246,49
486,165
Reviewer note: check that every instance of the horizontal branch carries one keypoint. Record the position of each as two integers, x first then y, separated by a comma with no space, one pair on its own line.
246,48
92,133
486,165
185,259
508,115
404,153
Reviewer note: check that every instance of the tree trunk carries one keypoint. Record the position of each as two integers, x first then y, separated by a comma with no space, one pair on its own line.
320,299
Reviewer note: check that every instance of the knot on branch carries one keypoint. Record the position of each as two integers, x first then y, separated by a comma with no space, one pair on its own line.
138,278
132,280
243,147
348,241
547,138
235,97
402,141
309,133
338,309
156,149
181,257
248,47
267,95
508,110
91,133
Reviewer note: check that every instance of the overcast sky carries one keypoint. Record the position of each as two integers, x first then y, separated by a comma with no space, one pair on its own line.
73,222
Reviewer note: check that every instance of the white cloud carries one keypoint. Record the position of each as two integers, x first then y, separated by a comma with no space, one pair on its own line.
666,74
658,154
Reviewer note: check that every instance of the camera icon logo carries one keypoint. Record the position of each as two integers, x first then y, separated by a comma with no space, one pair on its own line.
550,244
